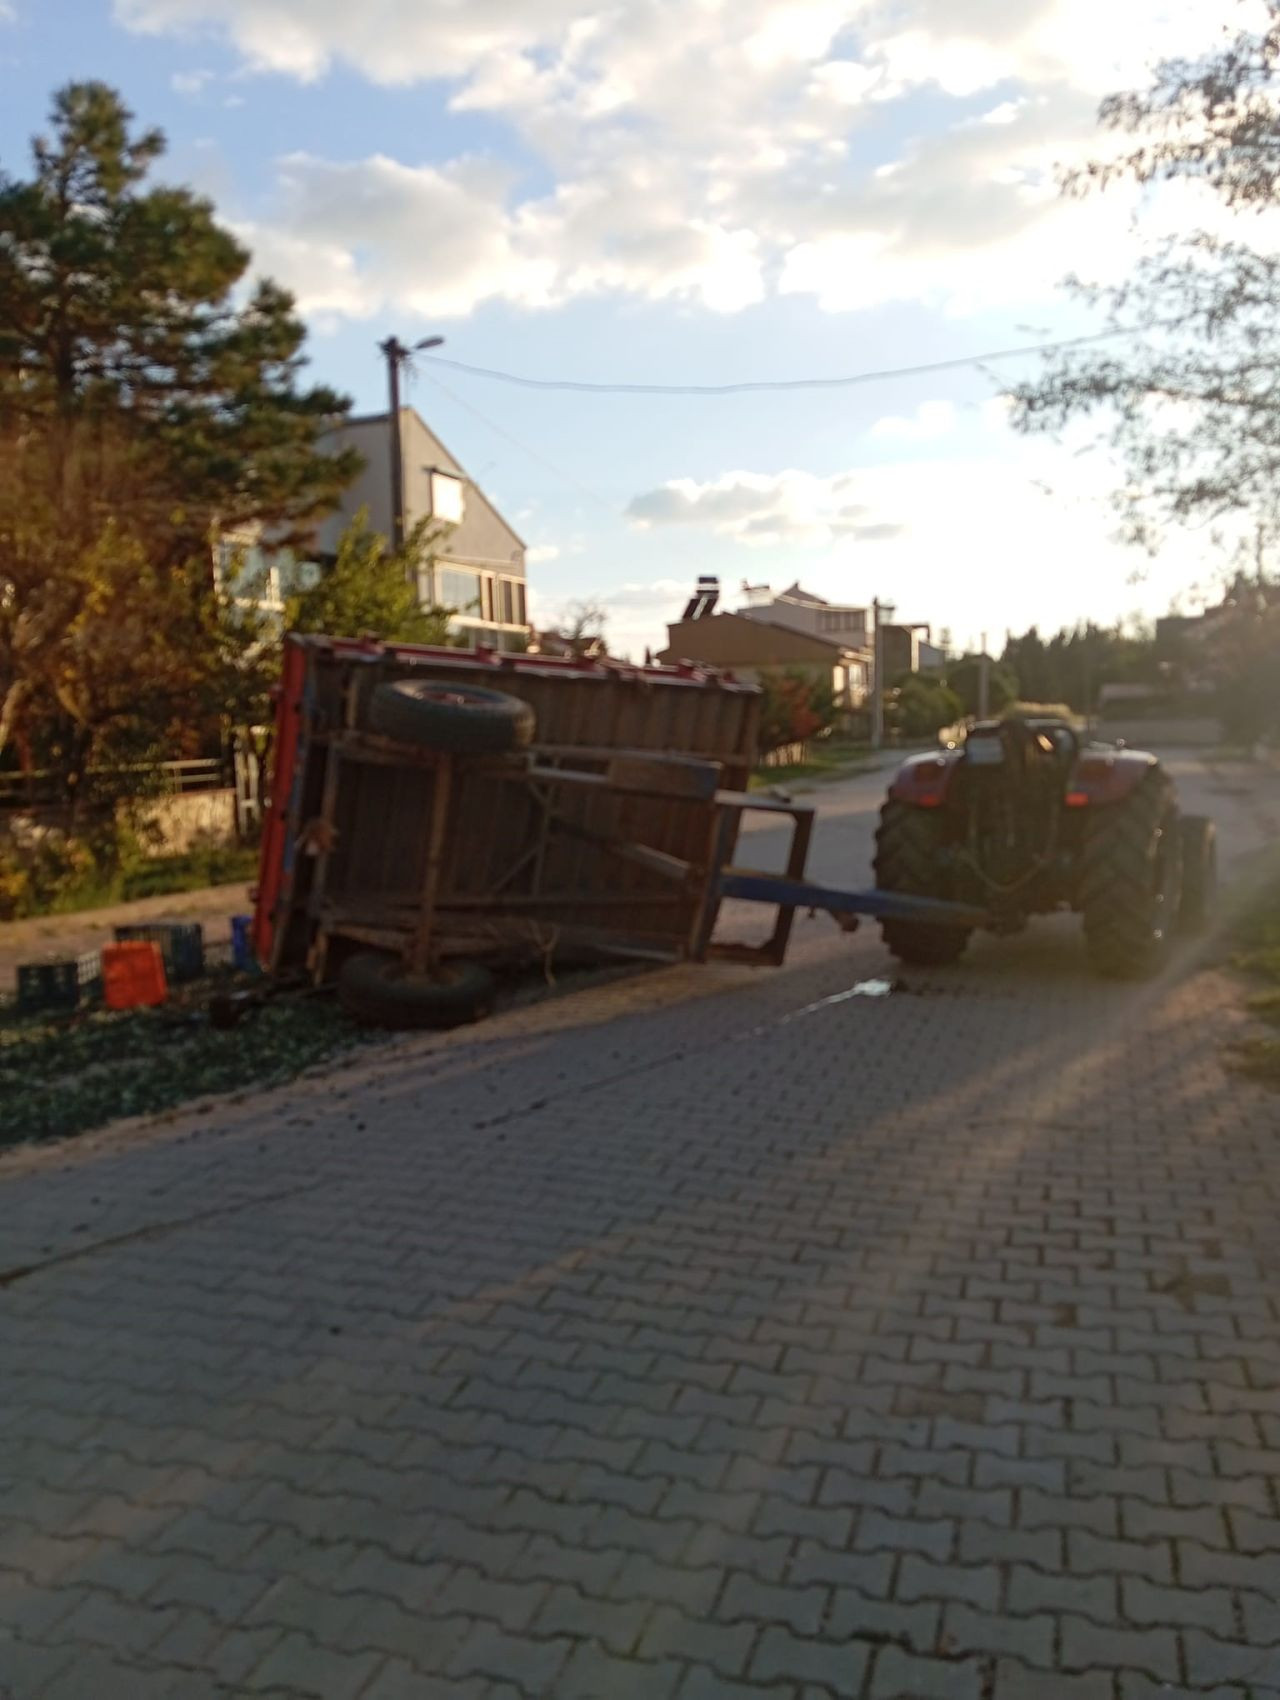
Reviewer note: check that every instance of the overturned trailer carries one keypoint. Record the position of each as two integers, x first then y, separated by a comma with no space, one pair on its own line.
437,810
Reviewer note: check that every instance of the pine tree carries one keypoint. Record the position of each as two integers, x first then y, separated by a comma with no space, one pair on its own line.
117,298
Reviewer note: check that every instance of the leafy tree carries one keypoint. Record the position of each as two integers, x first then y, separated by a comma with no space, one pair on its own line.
119,297
920,707
964,679
797,705
99,649
1190,396
582,627
148,405
1075,663
1244,661
372,588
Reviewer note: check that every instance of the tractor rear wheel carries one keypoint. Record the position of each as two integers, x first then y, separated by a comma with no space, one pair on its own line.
909,847
1130,881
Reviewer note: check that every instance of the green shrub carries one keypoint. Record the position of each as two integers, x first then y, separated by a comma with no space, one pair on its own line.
921,707
62,875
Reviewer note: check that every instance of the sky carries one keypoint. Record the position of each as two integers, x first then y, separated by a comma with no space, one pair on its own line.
686,192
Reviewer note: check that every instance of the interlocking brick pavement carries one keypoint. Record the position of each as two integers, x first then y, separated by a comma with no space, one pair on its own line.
666,1341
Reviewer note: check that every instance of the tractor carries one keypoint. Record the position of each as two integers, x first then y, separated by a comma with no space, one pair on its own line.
1025,818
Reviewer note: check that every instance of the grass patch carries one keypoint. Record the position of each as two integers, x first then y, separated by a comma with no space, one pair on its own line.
828,760
1257,935
68,1075
158,877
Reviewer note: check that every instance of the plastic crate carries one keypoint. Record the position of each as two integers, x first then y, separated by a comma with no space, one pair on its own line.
58,985
242,952
181,945
133,975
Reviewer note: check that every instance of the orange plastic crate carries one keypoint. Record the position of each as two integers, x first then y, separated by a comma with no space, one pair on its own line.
133,975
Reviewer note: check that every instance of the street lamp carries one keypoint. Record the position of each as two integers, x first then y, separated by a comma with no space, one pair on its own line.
396,355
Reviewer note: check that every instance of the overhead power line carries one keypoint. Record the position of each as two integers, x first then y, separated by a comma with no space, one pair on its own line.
846,382
534,454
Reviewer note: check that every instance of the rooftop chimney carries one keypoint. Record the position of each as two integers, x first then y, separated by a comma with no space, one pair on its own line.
704,599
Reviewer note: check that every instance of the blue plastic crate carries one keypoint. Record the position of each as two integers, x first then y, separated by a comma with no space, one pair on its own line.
242,953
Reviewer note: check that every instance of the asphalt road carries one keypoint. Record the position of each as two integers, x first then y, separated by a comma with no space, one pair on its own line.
705,1333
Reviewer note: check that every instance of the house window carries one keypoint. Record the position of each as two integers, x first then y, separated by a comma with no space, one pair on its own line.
447,496
522,612
486,596
460,589
508,592
295,577
841,620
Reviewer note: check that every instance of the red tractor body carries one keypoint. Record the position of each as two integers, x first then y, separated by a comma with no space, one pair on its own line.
1024,818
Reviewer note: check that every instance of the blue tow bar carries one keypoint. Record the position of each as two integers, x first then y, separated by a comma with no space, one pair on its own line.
883,905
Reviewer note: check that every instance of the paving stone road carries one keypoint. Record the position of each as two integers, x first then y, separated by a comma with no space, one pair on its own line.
699,1334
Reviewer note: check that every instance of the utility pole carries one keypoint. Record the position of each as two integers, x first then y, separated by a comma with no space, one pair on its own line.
880,610
396,355
984,682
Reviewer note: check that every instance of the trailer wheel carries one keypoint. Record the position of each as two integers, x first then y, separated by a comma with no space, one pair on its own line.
909,846
1130,881
461,719
1199,872
377,990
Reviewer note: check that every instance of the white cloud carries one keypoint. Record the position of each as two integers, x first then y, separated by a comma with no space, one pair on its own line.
353,238
762,510
638,610
189,82
931,420
640,597
703,151
635,611
541,553
1009,534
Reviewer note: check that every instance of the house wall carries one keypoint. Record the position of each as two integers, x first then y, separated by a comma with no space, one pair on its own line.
174,824
898,646
481,569
733,640
750,649
370,488
844,625
930,657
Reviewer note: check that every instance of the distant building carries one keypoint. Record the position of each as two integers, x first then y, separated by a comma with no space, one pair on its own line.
839,622
750,646
480,570
910,649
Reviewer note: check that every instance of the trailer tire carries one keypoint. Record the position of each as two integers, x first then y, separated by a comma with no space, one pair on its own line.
1130,881
460,719
377,990
1199,872
909,843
